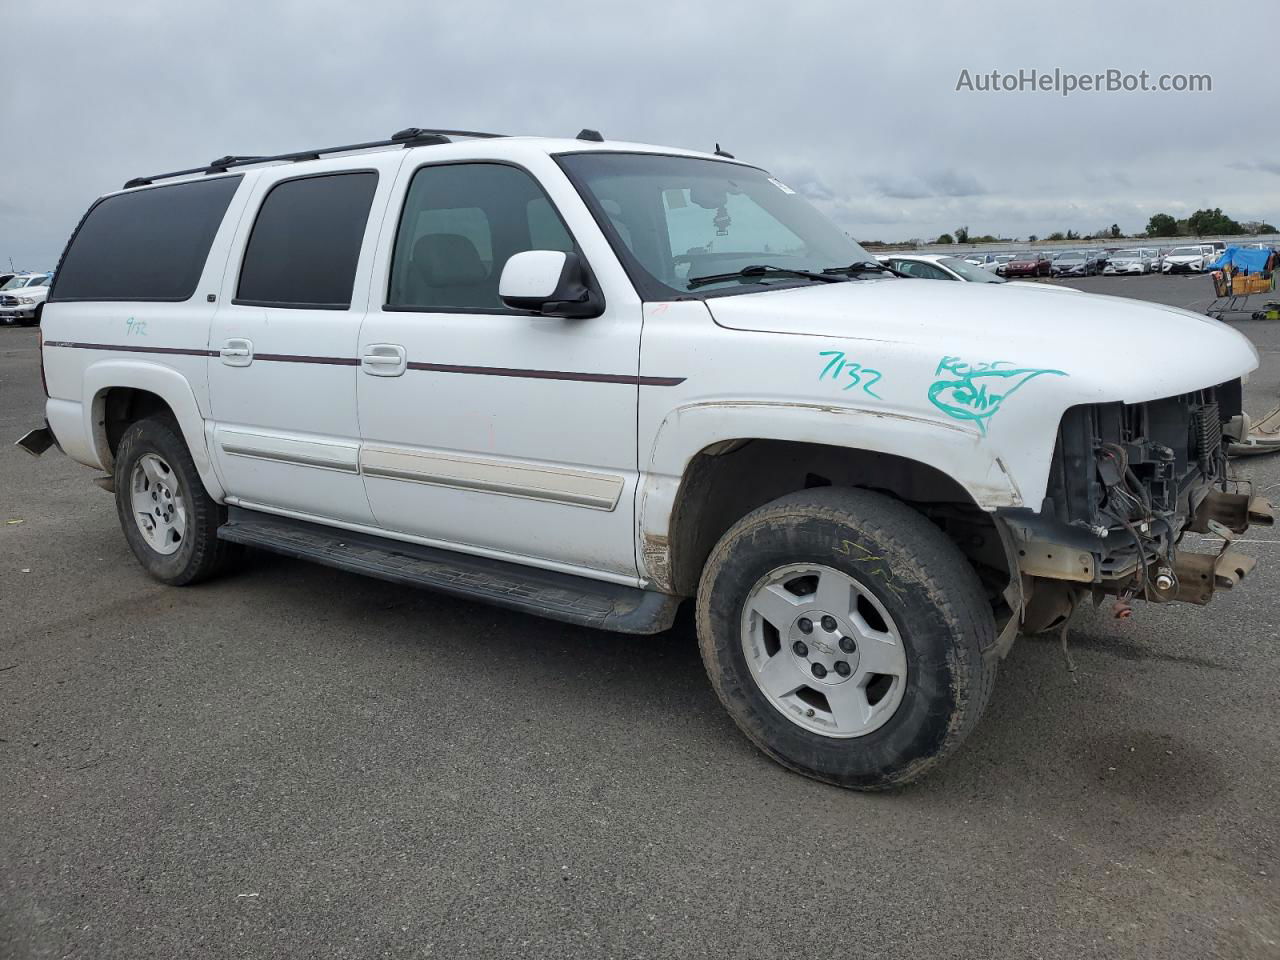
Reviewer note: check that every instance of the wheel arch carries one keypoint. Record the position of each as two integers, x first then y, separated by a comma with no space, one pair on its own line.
120,392
703,474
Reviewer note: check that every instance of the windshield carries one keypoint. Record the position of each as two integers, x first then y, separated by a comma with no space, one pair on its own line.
1186,252
1071,256
15,283
968,271
1126,255
673,220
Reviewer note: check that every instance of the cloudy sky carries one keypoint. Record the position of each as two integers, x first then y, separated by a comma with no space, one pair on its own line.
854,104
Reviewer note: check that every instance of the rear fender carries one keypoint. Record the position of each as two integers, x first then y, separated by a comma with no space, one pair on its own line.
166,383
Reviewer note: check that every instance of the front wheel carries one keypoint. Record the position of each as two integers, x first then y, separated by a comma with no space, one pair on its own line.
168,517
847,636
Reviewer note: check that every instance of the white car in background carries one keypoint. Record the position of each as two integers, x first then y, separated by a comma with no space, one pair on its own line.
939,266
1186,260
997,262
22,297
1138,260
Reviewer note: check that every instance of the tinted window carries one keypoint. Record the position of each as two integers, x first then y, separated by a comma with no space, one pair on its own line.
461,223
306,242
146,245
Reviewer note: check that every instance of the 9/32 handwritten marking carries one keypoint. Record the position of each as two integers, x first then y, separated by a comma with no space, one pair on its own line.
838,368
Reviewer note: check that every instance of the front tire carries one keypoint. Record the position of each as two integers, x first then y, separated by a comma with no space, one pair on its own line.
848,638
169,519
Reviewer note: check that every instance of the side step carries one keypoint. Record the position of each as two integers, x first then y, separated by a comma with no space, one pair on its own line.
545,593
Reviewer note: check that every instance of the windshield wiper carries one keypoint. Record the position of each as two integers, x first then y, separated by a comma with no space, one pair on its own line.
866,266
760,270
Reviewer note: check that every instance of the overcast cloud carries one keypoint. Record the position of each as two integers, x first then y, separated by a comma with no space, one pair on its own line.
853,105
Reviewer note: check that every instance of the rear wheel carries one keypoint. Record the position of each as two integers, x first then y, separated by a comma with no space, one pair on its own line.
168,517
846,636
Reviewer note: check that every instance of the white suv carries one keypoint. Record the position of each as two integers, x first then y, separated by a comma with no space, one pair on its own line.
590,380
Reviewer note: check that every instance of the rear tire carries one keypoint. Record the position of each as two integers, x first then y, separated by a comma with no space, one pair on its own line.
169,519
891,590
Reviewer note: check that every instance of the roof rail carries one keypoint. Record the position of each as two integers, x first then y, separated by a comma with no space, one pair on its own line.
409,137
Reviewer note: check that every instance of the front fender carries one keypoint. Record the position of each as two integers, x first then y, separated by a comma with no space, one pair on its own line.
166,383
686,431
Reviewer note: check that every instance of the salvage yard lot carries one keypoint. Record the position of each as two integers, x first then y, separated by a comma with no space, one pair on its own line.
298,762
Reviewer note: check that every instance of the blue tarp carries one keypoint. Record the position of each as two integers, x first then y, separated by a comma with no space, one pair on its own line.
1242,260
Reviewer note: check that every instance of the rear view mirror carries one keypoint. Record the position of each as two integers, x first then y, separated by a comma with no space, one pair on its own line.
549,282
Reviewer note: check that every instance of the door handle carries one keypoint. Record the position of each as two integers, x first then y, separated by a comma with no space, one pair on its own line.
384,360
236,352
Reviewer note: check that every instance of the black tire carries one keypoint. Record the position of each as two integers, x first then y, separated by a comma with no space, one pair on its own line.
201,554
922,580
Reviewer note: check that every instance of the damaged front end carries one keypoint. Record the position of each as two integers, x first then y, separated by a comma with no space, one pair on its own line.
1128,481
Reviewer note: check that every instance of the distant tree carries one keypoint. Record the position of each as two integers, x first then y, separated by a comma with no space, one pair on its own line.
945,238
1116,233
1056,235
1032,238
1072,235
962,234
985,238
1162,225
1206,221
1265,227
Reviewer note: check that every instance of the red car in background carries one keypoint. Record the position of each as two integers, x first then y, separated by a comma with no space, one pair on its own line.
1028,265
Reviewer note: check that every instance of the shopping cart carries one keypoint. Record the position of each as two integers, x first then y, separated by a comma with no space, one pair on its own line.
1232,290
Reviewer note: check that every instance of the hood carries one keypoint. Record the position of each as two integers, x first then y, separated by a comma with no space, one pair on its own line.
1052,288
1114,348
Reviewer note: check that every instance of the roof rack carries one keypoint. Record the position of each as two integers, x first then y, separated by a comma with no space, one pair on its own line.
408,137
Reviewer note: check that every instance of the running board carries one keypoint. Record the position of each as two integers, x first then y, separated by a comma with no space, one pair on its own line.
545,593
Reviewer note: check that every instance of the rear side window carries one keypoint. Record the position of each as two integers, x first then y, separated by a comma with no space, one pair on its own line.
306,242
146,245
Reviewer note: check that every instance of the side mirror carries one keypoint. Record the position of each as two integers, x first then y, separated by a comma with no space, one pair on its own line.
549,282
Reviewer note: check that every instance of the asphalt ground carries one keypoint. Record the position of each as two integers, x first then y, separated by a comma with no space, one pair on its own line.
296,762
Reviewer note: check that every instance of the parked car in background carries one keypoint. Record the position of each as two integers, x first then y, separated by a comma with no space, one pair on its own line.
979,259
1074,263
939,266
1137,260
22,298
1029,264
1186,260
998,262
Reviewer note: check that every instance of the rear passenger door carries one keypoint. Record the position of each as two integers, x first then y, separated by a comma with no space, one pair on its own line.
282,365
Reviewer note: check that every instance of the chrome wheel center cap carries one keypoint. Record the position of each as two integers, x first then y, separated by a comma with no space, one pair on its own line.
824,646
